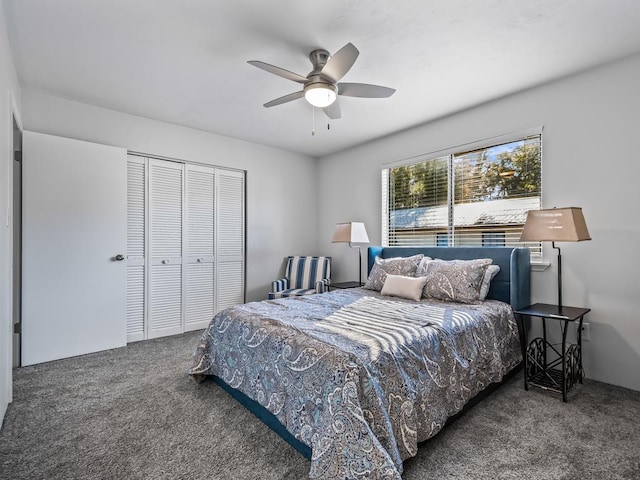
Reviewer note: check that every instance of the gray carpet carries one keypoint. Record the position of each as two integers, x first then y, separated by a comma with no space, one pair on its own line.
133,413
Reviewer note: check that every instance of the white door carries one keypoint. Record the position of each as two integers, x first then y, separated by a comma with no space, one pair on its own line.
74,227
199,295
165,248
136,247
229,238
185,245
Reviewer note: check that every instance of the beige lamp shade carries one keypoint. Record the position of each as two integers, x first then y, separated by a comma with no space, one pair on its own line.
350,232
555,225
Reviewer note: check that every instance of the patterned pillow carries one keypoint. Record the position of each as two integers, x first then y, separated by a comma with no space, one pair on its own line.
455,280
421,271
492,271
405,266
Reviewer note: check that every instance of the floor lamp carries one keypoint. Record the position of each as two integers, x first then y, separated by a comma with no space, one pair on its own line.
555,225
352,232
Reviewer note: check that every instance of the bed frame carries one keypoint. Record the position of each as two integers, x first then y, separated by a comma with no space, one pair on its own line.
511,285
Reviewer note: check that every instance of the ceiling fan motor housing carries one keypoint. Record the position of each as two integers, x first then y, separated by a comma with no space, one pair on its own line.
318,59
318,90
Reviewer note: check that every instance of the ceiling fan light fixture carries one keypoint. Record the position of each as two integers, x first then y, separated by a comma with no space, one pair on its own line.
320,95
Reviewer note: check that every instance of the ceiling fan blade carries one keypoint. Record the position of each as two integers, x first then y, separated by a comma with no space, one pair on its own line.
333,110
340,63
281,72
364,90
285,99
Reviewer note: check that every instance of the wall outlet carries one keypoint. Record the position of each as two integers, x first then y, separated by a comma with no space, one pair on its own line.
585,331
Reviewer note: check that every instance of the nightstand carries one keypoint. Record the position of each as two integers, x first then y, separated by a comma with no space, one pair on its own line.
542,359
341,285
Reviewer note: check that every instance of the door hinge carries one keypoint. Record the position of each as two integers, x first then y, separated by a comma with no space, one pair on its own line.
17,156
17,328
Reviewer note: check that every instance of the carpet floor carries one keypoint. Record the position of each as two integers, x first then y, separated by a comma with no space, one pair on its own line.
134,413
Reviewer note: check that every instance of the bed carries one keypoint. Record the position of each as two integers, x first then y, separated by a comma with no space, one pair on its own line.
354,379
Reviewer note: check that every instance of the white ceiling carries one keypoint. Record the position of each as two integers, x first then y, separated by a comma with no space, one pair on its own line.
184,61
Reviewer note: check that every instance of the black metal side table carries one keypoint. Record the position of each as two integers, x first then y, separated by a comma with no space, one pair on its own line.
540,370
335,286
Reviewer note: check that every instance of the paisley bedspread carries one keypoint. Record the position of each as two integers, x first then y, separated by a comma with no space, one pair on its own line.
359,377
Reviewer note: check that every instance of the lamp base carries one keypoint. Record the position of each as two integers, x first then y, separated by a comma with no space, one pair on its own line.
553,245
359,262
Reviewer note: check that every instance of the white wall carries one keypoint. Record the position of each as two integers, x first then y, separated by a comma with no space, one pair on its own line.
281,186
590,160
9,93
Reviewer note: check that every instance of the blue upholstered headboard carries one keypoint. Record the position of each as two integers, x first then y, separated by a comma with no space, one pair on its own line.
511,285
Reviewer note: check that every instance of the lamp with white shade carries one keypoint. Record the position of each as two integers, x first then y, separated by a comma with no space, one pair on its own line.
555,225
352,232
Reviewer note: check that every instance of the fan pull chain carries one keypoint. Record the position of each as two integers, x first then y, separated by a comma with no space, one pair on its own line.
313,121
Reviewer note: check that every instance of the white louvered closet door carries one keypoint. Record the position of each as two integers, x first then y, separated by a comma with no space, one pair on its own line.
186,234
199,285
136,240
229,238
165,248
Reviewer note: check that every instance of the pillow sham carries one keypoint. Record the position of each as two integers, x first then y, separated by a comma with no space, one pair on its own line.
455,280
492,271
404,287
395,266
421,271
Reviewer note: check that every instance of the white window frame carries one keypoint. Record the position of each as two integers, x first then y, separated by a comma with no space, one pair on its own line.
536,256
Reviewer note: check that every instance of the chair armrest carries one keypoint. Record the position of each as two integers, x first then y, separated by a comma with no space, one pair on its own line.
279,285
323,285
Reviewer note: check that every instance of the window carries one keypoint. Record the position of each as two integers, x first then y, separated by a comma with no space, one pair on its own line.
442,239
493,239
476,197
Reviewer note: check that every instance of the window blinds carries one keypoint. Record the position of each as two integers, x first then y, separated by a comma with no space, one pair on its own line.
470,198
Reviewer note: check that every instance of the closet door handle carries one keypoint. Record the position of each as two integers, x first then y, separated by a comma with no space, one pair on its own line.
118,258
164,262
199,260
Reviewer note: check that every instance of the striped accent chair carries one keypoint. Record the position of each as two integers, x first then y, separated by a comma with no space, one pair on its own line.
304,276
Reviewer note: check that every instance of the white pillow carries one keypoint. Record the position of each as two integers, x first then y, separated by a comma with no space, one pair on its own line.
404,287
492,271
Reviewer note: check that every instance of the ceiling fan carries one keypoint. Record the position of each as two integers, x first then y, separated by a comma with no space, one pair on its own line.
320,87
